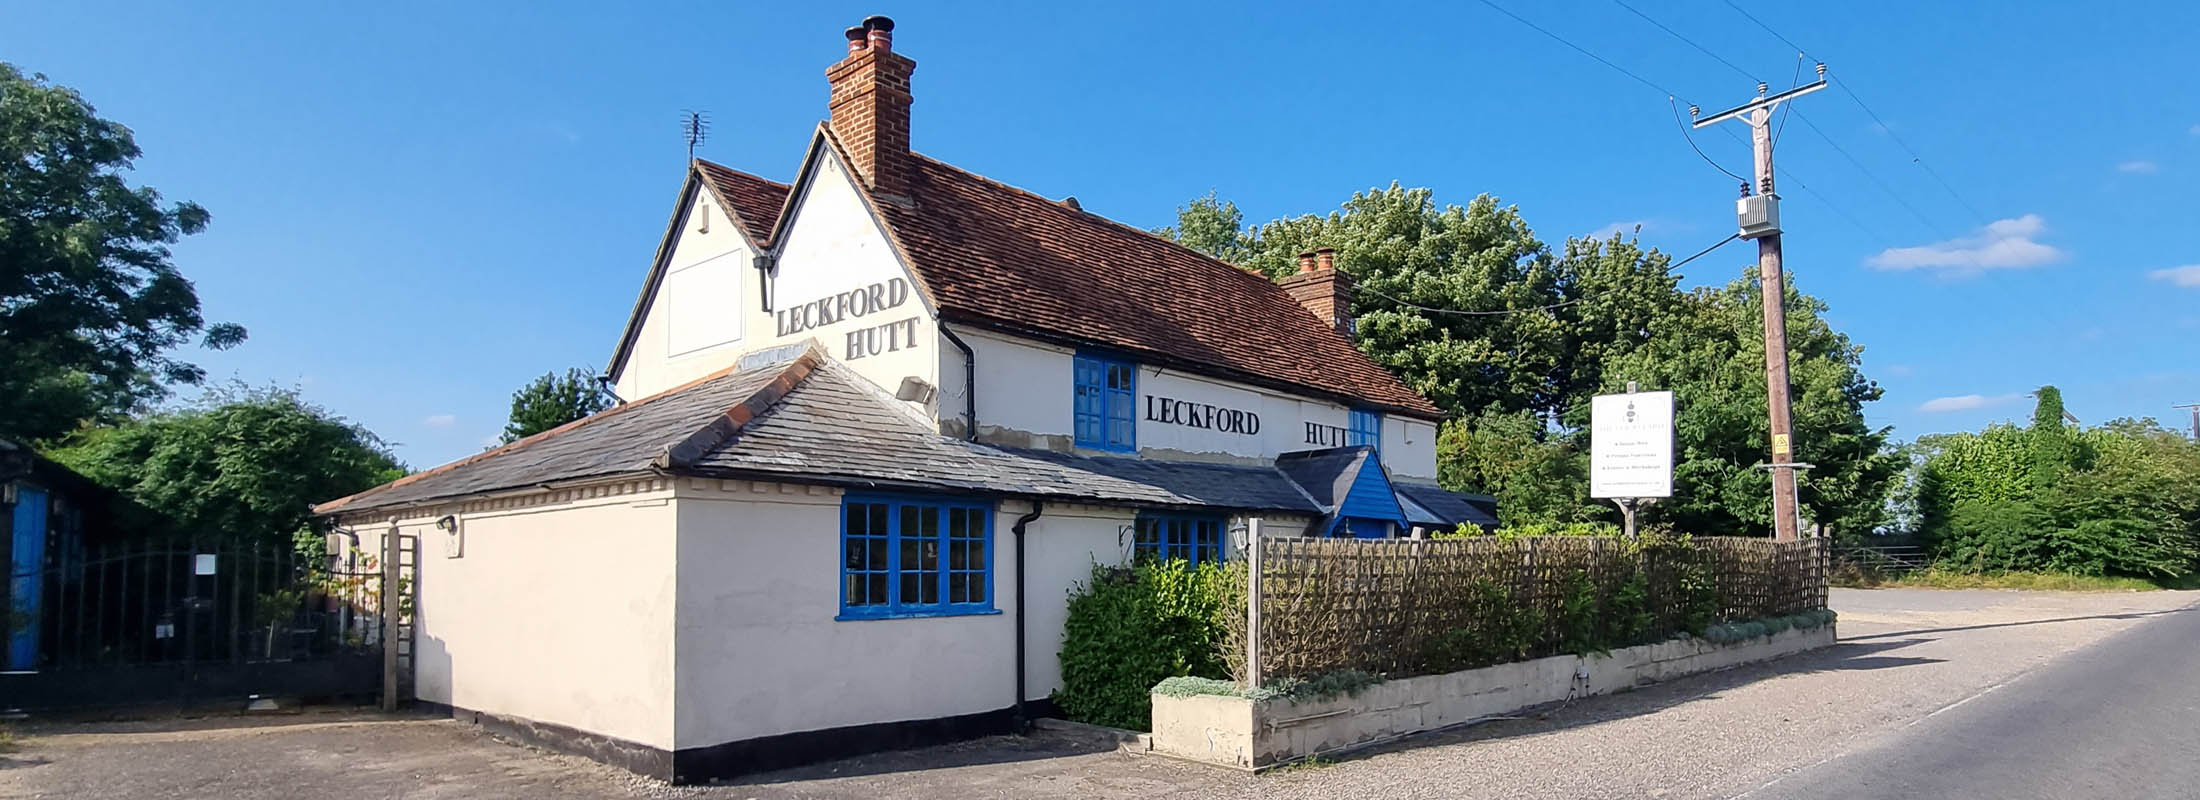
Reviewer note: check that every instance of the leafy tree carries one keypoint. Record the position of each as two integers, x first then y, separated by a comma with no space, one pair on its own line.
2049,443
1535,477
553,400
243,462
1403,252
1210,226
1710,352
2120,499
89,304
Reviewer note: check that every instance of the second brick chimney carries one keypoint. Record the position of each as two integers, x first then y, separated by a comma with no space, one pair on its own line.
1323,290
870,107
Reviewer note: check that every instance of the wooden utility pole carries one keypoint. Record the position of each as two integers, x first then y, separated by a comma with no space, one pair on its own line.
2195,408
1759,214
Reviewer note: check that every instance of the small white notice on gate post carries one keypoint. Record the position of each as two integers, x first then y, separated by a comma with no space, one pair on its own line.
1631,445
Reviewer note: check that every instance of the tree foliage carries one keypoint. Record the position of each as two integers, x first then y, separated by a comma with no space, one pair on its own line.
243,463
2120,499
1586,318
553,400
90,305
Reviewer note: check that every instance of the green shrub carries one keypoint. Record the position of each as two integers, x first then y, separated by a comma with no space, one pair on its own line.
1504,630
1322,687
1129,628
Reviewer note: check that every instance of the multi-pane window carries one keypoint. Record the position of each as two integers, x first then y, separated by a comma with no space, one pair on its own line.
1197,539
1105,402
903,558
1367,429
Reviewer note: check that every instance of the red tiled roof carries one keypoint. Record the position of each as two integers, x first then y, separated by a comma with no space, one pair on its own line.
755,201
997,255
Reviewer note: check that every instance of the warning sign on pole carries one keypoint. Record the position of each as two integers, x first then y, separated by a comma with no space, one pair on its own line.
1631,445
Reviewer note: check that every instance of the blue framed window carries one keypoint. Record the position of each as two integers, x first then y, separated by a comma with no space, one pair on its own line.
1197,539
1106,399
909,557
1367,429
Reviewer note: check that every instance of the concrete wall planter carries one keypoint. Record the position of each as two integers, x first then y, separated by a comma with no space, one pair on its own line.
1251,734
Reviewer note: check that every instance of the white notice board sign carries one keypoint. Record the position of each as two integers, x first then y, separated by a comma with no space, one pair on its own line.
1631,445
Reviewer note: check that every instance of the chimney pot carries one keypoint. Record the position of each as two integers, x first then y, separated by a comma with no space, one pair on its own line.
856,36
881,33
1325,258
1306,262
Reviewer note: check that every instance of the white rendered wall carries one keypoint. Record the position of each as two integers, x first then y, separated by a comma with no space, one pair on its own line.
760,652
832,247
559,613
699,317
1024,399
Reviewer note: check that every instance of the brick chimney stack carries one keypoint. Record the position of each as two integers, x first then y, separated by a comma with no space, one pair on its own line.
1323,290
870,107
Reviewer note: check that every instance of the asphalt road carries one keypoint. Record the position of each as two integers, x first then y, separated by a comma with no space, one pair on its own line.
2119,719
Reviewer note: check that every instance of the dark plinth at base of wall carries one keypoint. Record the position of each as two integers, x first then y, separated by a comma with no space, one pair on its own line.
642,759
733,759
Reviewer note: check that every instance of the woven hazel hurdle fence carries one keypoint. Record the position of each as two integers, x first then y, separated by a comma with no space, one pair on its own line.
1417,607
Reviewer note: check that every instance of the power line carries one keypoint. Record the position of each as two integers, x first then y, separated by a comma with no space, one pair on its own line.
1790,109
1883,186
1690,42
1859,100
1914,157
1584,51
1456,312
1786,174
1761,24
1685,134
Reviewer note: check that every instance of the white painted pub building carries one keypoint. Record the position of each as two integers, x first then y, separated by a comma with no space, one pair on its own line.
876,424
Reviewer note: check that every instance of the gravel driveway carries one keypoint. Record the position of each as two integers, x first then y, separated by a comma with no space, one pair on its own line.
1904,654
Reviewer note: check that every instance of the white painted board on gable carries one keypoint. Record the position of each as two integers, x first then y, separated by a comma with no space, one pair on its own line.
1631,445
703,304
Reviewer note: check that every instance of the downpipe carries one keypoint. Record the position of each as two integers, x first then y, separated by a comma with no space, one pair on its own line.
1022,720
970,386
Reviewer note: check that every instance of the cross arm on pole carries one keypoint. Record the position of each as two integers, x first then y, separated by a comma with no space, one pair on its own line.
1762,102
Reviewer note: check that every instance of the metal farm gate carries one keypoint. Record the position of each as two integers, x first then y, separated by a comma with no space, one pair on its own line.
193,624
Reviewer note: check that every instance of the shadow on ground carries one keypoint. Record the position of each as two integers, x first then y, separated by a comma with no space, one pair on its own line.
1039,745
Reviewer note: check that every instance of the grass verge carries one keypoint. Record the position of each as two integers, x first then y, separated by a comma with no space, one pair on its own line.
2036,581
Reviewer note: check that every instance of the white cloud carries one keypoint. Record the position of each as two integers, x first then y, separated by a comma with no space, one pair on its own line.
2187,276
1617,228
1966,402
2004,244
440,421
2139,167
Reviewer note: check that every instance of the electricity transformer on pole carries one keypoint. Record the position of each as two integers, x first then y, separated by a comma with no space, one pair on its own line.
1759,213
2195,408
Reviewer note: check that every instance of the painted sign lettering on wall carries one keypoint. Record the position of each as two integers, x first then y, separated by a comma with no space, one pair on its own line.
850,304
1321,435
1201,415
856,303
879,339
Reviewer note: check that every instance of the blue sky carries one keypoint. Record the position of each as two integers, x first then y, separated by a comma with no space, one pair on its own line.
417,207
